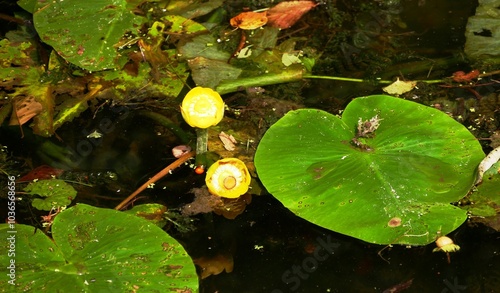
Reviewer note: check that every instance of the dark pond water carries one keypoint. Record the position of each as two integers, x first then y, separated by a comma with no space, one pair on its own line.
272,250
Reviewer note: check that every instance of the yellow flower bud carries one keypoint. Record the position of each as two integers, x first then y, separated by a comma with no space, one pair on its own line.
228,178
202,107
445,244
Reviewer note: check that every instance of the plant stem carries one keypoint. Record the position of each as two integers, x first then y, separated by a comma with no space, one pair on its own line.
364,80
201,140
290,75
233,85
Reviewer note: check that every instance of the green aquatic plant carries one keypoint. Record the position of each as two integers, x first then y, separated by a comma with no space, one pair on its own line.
54,193
92,250
385,172
483,204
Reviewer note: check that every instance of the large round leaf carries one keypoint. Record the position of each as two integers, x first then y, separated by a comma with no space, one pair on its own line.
97,250
85,32
391,185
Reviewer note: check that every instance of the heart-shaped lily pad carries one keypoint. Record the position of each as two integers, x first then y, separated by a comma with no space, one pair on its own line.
387,172
95,250
85,33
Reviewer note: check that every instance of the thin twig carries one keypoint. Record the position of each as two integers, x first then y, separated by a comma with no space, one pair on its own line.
157,177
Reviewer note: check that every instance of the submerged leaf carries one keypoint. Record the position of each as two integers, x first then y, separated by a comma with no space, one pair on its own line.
215,265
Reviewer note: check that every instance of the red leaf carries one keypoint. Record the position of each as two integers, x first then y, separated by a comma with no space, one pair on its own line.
41,172
286,14
460,76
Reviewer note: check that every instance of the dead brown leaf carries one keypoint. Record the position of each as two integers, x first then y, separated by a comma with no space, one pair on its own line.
230,208
286,14
214,265
24,110
249,20
228,140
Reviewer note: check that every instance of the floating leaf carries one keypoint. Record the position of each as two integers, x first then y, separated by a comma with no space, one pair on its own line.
482,33
203,46
181,25
484,202
20,75
98,250
57,194
192,9
24,110
249,20
288,59
84,33
287,13
41,172
399,87
72,108
209,73
361,183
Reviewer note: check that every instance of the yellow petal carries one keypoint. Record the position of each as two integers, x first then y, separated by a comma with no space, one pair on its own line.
202,107
228,178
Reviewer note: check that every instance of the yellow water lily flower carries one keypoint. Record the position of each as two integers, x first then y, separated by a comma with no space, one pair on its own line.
228,178
202,107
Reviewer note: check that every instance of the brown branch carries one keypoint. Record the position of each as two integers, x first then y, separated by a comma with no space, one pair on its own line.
157,177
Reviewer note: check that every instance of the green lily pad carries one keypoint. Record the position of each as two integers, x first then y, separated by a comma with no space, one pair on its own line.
56,193
84,33
482,32
393,184
485,200
181,25
97,250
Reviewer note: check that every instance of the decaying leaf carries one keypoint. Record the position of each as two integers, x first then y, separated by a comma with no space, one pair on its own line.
209,73
41,173
214,265
228,141
461,76
205,202
249,20
399,87
288,59
24,110
230,208
287,13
